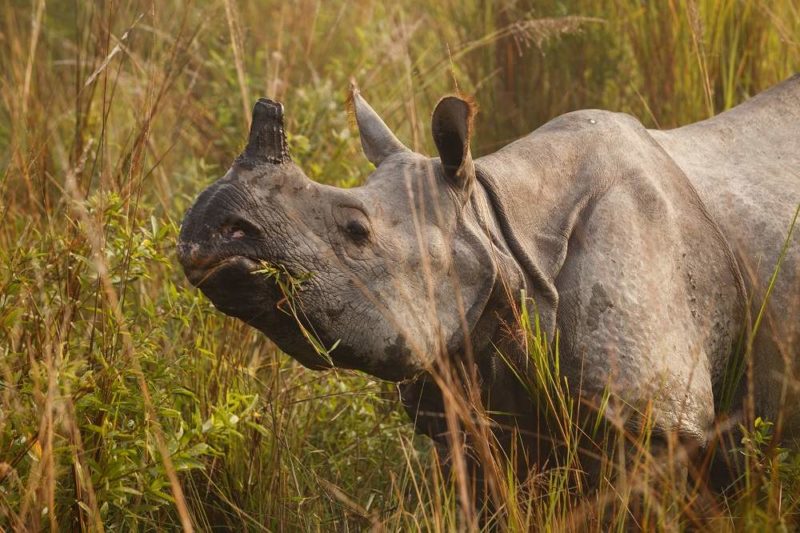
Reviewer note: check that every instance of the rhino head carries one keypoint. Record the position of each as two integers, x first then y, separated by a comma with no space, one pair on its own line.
383,278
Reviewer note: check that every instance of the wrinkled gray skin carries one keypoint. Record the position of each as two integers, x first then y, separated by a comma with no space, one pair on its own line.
640,247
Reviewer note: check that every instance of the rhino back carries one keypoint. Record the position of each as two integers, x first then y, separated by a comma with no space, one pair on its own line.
745,165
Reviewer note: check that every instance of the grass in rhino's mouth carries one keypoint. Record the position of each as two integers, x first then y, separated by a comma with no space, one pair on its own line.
289,284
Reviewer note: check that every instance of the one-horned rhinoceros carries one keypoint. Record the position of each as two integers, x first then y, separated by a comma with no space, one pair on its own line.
649,253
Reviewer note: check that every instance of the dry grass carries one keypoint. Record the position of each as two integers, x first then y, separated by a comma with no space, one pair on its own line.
126,402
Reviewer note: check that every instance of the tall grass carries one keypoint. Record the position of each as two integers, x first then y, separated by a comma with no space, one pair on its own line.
127,402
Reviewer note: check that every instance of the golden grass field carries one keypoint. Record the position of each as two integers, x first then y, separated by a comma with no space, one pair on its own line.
128,403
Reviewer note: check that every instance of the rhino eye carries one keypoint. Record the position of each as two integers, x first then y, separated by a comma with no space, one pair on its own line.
353,223
357,230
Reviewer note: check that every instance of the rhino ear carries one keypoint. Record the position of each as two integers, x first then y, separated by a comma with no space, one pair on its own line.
377,140
452,127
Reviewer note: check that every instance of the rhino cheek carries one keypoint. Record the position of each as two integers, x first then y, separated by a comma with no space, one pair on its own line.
371,334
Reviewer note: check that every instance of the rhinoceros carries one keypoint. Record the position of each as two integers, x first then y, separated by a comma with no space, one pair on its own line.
648,254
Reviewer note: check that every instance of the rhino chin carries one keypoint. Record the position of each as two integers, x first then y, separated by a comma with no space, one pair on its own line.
292,342
305,355
394,371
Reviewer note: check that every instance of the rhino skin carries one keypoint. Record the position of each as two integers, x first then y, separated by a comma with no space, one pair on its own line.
649,252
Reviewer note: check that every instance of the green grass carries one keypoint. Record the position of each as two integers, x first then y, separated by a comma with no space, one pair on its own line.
128,402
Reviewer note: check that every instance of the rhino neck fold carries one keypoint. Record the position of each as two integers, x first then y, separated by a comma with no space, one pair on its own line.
538,284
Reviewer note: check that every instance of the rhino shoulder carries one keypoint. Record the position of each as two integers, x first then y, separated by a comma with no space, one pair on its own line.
593,121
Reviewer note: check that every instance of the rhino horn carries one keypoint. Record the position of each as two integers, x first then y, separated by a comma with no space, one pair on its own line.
377,140
451,126
267,141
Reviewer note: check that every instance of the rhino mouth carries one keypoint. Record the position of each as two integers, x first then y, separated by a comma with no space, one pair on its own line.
199,276
230,284
235,288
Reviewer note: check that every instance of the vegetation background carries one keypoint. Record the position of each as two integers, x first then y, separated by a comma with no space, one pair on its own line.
126,401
